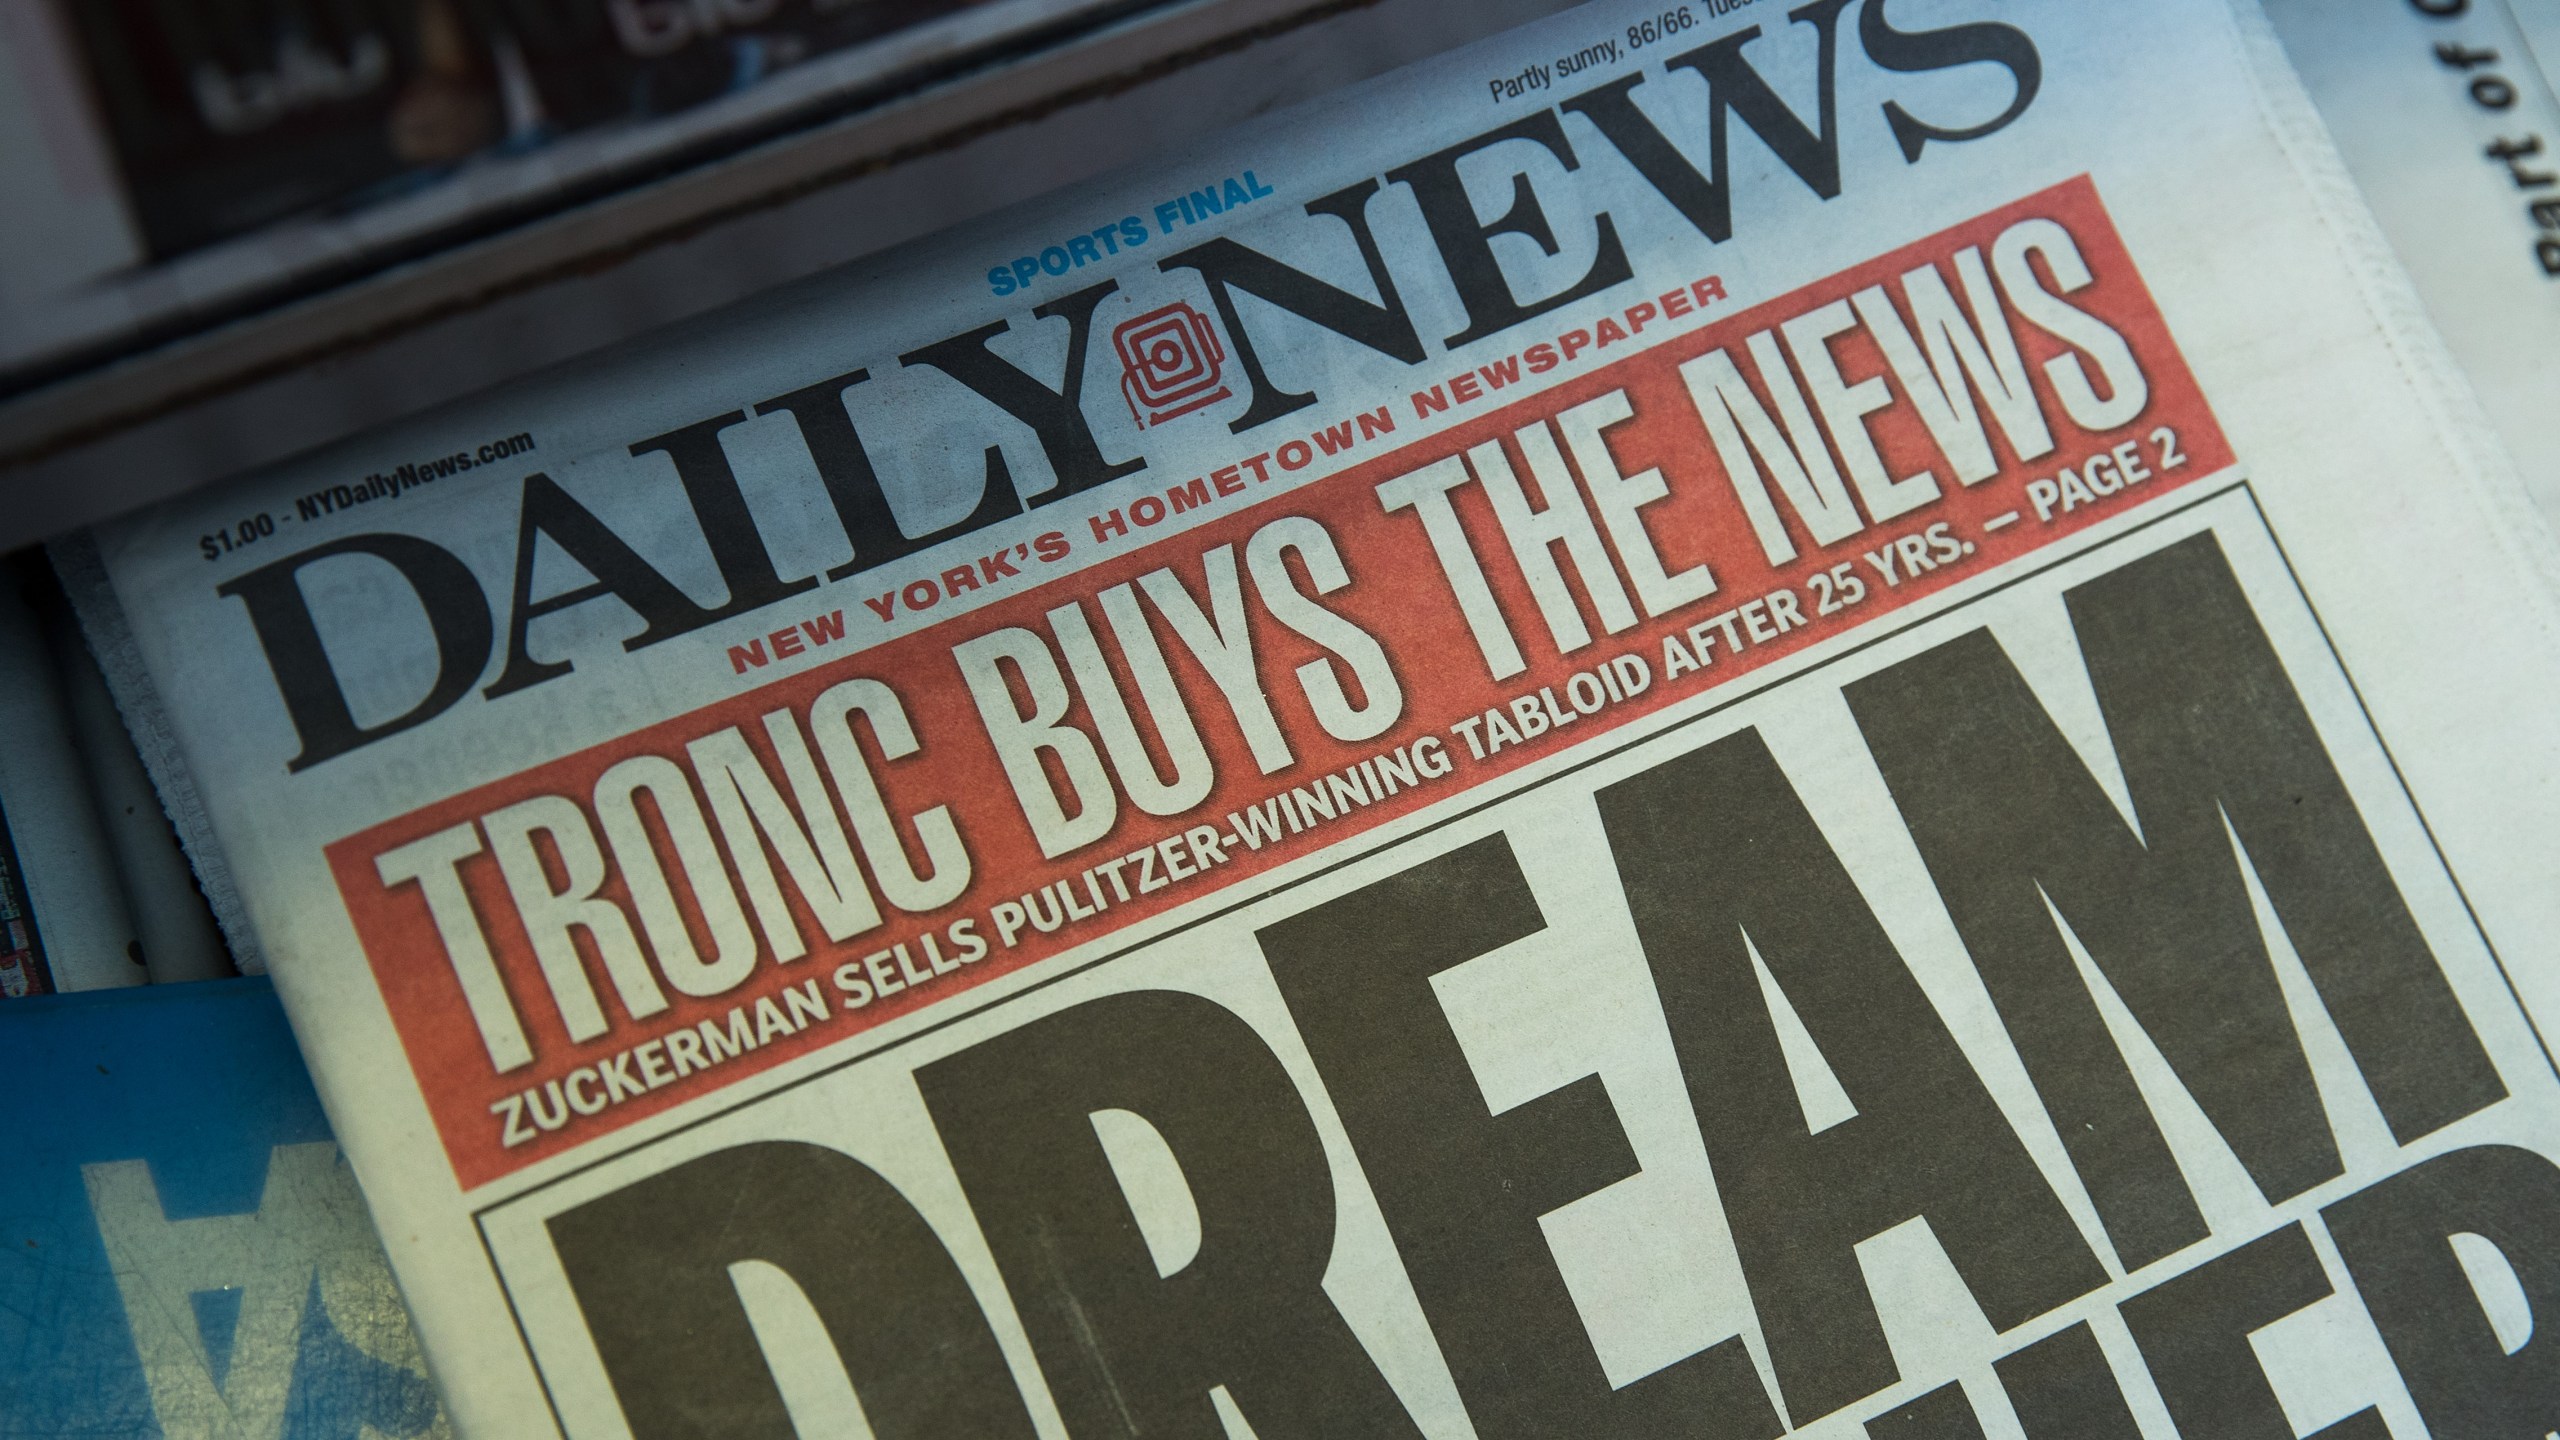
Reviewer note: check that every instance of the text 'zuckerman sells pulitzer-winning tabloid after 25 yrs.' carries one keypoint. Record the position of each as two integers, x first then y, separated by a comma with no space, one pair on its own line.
1257,604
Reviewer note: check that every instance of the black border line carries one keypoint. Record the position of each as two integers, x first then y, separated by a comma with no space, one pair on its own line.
2183,505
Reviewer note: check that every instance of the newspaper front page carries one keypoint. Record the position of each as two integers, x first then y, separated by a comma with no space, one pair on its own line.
1717,720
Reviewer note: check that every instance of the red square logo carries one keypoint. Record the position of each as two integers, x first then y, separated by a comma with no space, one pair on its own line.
1170,364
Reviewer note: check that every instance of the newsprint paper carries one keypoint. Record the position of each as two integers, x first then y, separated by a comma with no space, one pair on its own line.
1717,719
2448,115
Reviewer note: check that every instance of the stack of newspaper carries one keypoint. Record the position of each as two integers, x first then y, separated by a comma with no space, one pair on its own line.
94,891
1714,721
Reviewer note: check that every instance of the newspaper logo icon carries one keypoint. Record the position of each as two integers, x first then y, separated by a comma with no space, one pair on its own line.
1170,364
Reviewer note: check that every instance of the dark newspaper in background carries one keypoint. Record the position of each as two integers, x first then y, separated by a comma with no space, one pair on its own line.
1710,721
225,118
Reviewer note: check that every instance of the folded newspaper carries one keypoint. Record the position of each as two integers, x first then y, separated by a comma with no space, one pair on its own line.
1716,719
2448,115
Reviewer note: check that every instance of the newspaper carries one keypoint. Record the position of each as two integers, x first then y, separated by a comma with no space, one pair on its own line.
68,925
171,167
2448,116
1712,720
183,1252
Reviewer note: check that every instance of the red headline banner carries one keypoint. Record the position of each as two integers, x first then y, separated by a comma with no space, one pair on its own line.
587,943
